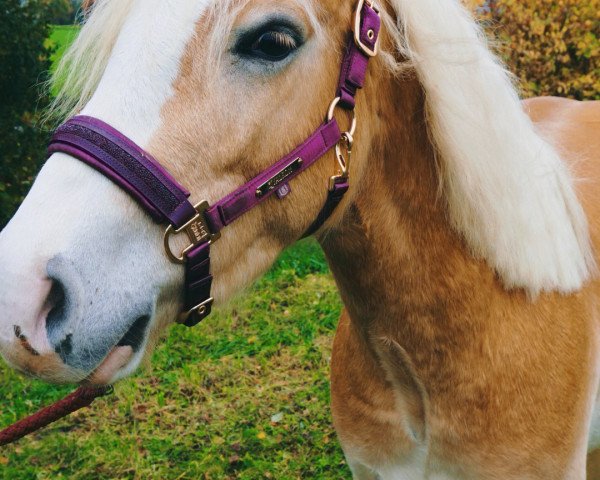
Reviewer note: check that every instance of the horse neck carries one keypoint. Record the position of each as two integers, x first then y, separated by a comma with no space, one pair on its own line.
394,253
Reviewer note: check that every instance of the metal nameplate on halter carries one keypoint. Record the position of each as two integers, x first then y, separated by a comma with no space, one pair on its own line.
196,230
277,179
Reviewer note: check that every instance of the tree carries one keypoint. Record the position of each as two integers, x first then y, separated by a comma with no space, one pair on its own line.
25,61
62,11
553,47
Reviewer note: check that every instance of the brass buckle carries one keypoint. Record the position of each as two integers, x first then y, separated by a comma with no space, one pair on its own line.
357,21
197,310
196,230
343,162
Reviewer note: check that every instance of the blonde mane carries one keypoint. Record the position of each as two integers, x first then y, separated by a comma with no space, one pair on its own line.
82,66
508,191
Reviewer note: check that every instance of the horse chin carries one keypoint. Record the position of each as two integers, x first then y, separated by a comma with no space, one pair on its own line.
114,367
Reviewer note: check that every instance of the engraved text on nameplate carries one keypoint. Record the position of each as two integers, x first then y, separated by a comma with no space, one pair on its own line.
279,178
197,231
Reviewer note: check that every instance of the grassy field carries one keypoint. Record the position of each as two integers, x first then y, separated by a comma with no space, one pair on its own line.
245,395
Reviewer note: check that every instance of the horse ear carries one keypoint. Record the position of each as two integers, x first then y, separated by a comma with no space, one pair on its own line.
508,192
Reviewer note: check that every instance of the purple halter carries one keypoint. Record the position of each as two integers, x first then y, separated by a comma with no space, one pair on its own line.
139,174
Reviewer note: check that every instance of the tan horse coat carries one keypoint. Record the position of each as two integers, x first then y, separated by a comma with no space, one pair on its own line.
434,361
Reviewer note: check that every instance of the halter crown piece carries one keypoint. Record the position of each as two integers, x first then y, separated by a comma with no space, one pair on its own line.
117,157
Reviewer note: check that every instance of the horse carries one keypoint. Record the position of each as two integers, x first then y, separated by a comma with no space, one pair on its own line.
465,250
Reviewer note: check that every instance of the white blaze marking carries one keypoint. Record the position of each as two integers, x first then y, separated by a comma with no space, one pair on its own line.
144,64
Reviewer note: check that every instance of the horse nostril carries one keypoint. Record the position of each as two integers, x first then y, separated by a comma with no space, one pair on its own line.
56,306
65,348
136,334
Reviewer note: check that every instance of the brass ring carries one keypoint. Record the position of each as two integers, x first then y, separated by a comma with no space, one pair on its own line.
331,112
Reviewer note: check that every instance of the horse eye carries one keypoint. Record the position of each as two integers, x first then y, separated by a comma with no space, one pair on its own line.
271,45
274,46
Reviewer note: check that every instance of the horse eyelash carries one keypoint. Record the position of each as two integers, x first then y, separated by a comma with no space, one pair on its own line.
285,40
282,39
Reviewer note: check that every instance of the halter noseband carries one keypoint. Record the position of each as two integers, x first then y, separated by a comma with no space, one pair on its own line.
97,144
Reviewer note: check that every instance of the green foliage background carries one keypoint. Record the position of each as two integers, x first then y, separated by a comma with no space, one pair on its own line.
552,46
24,59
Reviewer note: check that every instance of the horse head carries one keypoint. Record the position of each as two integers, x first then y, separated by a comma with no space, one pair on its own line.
216,92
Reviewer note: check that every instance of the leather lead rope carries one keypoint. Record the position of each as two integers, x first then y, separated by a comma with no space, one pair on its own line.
80,398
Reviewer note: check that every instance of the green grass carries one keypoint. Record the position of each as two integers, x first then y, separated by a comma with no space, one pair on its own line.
244,395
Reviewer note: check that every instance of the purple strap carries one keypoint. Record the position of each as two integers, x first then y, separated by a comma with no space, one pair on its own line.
356,61
234,205
198,284
129,166
334,197
118,158
198,279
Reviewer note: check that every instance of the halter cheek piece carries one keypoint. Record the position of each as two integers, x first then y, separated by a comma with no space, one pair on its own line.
114,155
